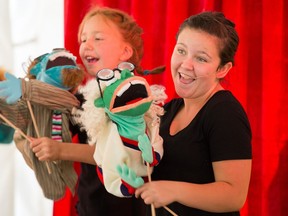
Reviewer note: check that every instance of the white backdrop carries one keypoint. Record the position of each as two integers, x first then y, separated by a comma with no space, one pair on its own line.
28,28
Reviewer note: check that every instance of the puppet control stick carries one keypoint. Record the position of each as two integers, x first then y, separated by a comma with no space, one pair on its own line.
37,130
152,206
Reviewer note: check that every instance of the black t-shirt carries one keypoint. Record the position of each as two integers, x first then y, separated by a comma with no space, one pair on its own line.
93,198
219,131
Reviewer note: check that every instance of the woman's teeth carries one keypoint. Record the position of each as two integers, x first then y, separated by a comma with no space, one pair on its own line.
185,76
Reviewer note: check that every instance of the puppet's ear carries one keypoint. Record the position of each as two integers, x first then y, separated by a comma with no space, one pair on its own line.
99,103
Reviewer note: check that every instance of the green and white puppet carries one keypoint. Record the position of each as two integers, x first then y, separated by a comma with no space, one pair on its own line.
121,117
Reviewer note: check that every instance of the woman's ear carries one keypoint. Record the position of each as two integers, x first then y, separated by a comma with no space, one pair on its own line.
127,53
223,71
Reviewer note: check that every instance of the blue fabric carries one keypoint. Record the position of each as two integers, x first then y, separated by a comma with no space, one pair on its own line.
53,76
145,146
6,134
129,176
128,126
10,89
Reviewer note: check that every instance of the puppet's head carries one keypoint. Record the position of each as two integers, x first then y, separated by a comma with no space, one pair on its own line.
122,93
58,68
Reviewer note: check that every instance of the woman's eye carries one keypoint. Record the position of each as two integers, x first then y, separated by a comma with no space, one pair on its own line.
181,51
201,59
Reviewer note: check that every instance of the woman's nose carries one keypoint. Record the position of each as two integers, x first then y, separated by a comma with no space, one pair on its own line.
187,63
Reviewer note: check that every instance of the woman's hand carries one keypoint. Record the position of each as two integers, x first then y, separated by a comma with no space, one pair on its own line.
160,193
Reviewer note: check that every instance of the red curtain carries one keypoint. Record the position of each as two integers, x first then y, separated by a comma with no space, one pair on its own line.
258,80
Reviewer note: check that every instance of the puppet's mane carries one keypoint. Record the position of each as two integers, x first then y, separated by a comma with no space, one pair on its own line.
92,119
156,110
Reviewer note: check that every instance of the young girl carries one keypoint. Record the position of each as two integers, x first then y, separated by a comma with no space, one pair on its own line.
206,133
107,37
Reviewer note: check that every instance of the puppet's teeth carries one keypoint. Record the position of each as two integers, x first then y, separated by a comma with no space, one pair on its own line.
134,82
61,54
123,89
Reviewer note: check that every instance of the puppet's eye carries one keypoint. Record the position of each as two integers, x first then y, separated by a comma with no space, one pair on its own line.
105,74
126,65
117,74
109,82
116,77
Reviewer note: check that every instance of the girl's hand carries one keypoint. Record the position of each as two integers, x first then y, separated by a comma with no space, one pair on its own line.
45,149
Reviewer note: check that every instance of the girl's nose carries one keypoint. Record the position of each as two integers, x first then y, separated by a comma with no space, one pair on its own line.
88,44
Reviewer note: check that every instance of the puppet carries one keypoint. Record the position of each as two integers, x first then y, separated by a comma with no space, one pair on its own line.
2,72
51,112
6,132
119,115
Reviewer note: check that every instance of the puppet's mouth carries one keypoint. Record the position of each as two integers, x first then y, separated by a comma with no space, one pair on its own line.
60,59
131,93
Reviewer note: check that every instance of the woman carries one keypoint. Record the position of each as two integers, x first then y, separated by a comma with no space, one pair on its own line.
206,166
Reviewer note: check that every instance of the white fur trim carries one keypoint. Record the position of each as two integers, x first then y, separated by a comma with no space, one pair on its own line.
92,119
158,93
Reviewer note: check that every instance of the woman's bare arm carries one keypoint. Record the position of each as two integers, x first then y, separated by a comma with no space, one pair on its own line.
228,193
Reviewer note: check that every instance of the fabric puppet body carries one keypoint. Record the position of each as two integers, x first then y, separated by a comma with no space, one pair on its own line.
50,70
6,132
119,124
